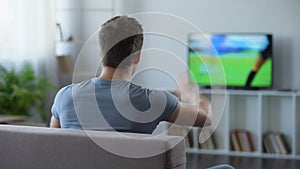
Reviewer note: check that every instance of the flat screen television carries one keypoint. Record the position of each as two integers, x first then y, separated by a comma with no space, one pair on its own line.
237,60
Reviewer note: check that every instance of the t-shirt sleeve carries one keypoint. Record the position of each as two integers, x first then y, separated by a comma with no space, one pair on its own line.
56,106
54,109
172,103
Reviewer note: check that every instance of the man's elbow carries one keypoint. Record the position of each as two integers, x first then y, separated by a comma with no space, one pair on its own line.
208,121
54,123
209,118
203,120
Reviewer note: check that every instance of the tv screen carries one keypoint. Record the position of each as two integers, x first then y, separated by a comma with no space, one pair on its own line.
242,59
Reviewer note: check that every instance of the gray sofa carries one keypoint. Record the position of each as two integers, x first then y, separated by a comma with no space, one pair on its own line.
24,147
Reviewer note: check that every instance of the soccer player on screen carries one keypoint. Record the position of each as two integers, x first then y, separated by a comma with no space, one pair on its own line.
264,55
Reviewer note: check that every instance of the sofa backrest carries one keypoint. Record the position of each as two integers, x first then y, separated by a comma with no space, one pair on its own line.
24,147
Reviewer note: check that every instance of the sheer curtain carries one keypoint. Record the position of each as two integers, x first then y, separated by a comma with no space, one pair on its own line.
27,33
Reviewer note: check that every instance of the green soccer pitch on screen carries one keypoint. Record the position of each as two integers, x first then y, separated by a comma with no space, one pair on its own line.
244,58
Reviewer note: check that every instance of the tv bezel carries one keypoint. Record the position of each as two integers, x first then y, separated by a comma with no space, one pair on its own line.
232,86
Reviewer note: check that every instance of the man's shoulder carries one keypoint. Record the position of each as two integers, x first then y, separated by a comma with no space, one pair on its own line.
69,87
149,91
64,89
135,88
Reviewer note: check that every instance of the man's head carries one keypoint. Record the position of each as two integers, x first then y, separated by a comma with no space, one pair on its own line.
120,38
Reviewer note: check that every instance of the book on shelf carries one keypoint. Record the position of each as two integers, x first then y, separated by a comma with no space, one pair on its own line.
241,140
206,139
281,143
250,144
274,143
235,144
185,132
267,144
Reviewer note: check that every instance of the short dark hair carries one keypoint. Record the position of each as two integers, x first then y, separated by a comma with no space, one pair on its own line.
120,37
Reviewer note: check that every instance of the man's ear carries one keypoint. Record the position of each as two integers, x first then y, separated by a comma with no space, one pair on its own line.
137,57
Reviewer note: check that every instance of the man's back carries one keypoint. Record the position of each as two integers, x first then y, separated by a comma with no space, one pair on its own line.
99,104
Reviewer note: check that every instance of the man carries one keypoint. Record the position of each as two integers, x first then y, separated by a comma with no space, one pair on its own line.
120,104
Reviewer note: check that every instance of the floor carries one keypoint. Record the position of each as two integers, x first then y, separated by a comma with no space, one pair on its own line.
200,161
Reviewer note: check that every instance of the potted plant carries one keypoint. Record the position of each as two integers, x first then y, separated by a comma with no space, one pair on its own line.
22,90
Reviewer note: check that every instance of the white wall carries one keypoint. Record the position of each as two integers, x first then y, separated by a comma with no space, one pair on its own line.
281,18
81,19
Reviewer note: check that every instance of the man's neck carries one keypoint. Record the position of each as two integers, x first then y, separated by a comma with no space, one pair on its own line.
109,73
